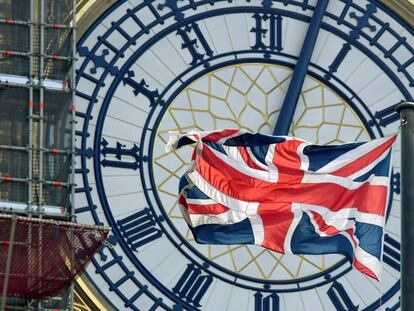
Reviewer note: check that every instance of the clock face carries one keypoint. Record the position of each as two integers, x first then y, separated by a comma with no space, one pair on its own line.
149,67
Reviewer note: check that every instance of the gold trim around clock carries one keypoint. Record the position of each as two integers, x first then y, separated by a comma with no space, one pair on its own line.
87,11
405,9
86,297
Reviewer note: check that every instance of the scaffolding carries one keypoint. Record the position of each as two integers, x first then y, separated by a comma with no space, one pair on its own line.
37,116
41,258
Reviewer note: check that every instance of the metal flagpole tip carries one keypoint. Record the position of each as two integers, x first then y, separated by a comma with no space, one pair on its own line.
404,105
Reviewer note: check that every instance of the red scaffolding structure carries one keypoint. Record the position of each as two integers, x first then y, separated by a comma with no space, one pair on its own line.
39,258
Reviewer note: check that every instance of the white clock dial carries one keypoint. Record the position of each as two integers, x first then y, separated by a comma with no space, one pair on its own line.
147,67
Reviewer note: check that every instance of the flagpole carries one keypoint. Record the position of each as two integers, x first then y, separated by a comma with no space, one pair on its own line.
406,110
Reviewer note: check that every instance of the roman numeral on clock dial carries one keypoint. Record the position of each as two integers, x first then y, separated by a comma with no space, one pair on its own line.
193,41
139,229
392,256
273,32
124,157
340,298
193,285
266,302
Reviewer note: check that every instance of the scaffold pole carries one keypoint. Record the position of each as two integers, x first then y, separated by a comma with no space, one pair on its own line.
73,128
8,263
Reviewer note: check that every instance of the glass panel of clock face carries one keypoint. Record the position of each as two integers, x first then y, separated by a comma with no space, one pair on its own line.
146,68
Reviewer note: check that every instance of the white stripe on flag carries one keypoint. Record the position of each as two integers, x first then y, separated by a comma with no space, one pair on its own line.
297,216
369,261
337,219
240,166
349,225
224,139
370,166
233,153
254,159
258,229
346,182
271,167
250,208
351,155
226,218
304,159
200,201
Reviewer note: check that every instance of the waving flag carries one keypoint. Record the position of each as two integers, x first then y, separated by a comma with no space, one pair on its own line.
286,194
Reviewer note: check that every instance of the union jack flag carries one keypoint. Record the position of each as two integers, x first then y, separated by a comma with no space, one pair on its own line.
286,194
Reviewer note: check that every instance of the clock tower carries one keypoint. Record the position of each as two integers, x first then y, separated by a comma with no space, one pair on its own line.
147,67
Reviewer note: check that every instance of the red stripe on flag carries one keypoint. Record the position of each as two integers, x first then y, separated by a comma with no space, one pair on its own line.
182,200
213,209
364,269
351,234
216,136
219,171
331,230
323,226
276,219
367,198
288,162
364,160
247,159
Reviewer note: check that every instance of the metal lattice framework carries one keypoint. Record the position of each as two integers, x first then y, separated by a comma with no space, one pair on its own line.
37,132
42,257
37,44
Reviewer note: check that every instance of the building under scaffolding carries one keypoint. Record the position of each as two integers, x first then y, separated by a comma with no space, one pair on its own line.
37,116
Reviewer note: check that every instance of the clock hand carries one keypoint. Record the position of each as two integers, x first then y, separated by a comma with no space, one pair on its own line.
301,68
